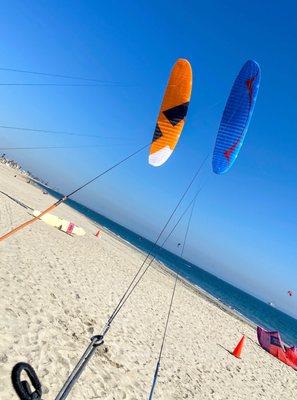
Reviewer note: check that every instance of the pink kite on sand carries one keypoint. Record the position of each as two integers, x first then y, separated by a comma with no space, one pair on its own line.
271,342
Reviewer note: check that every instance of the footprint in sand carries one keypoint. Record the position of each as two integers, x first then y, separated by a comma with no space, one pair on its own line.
3,358
11,312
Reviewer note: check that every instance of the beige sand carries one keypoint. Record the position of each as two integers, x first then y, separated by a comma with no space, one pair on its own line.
57,290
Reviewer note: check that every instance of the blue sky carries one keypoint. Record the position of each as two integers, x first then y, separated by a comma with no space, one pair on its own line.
244,225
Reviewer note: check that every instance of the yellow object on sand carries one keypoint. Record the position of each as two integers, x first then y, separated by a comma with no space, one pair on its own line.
60,223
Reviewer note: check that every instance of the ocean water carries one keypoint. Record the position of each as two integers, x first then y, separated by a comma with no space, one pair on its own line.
249,306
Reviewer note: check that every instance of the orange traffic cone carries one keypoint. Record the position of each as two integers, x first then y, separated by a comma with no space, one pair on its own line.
238,349
97,234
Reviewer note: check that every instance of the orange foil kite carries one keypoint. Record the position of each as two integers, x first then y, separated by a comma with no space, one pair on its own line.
171,118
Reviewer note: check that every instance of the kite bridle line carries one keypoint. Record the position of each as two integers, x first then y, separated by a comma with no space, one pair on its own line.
64,198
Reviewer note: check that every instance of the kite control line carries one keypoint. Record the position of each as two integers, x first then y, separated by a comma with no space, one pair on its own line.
57,203
135,281
98,340
155,378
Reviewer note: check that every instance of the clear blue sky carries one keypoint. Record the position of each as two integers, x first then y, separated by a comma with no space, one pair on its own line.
244,227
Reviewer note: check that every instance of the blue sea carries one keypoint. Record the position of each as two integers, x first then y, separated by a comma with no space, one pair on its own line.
249,306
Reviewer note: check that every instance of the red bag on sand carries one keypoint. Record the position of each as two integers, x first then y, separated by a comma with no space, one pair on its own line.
70,228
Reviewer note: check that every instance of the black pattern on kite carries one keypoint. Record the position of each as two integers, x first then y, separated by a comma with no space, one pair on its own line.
177,113
157,134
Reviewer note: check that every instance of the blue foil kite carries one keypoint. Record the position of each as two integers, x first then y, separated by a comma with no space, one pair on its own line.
236,117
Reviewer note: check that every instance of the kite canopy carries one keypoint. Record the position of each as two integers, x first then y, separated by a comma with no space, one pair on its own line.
272,342
236,117
171,118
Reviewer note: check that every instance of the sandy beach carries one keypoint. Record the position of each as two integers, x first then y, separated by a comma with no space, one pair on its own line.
57,291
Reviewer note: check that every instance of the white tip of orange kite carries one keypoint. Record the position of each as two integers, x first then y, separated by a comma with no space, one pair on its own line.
160,157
